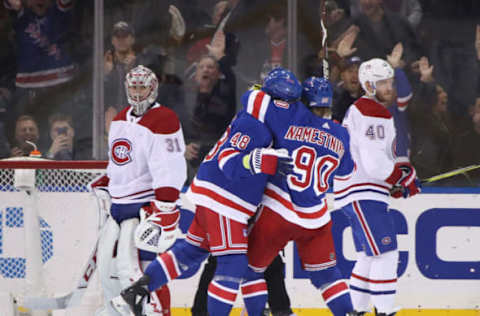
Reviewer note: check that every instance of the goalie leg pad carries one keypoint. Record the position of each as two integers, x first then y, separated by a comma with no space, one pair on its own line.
105,262
128,263
159,302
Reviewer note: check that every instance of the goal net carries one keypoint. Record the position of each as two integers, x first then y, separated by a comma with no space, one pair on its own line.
49,224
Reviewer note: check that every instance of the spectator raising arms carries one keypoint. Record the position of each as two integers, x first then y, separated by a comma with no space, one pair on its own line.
41,46
210,102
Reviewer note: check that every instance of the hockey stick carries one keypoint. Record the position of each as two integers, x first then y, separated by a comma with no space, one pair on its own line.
74,298
323,17
449,174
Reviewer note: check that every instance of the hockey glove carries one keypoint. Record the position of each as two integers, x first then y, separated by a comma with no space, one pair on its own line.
269,161
404,180
157,230
133,297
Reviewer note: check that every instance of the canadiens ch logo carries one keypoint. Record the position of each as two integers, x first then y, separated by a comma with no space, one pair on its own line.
121,149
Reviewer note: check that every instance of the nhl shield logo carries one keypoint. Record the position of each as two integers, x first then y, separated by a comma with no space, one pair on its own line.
121,149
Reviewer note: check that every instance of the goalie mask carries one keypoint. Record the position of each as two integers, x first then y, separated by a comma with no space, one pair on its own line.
372,71
141,86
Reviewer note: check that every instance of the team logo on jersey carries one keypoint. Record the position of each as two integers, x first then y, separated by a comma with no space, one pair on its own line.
386,240
281,104
121,149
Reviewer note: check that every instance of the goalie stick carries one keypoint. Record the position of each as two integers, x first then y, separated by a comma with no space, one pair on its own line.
71,299
74,298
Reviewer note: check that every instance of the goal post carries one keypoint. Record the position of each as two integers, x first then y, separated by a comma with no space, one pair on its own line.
48,226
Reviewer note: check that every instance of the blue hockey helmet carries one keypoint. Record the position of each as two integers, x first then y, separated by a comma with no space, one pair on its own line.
282,84
317,92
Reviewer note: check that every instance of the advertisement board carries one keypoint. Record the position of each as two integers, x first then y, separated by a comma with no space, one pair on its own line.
438,237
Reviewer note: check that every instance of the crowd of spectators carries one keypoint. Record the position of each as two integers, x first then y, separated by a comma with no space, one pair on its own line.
207,52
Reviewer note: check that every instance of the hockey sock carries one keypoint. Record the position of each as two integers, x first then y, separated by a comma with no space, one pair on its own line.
359,285
171,264
384,272
254,292
223,289
337,298
334,290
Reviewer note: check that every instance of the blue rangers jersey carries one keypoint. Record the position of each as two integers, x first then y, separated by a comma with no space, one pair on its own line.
42,60
320,152
222,184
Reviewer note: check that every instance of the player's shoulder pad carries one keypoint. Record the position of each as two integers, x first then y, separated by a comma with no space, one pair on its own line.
369,107
161,120
333,127
122,115
247,122
255,103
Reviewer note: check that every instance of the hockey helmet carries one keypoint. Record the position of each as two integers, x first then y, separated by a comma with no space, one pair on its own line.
141,76
317,92
372,71
282,84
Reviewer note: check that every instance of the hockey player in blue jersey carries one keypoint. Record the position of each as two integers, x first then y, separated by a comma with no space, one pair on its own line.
225,199
294,207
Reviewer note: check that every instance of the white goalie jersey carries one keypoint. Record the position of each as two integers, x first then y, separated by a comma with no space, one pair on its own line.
146,156
372,144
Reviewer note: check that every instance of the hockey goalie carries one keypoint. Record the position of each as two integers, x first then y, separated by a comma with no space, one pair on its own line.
145,172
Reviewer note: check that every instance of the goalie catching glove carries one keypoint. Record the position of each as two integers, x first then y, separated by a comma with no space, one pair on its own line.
158,228
404,181
268,161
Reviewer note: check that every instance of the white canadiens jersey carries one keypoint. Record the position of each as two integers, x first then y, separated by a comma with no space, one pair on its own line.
146,156
372,145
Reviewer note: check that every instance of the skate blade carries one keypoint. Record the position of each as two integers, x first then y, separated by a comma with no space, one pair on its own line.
121,306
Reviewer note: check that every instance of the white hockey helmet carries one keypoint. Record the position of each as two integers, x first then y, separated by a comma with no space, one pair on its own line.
372,71
137,77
